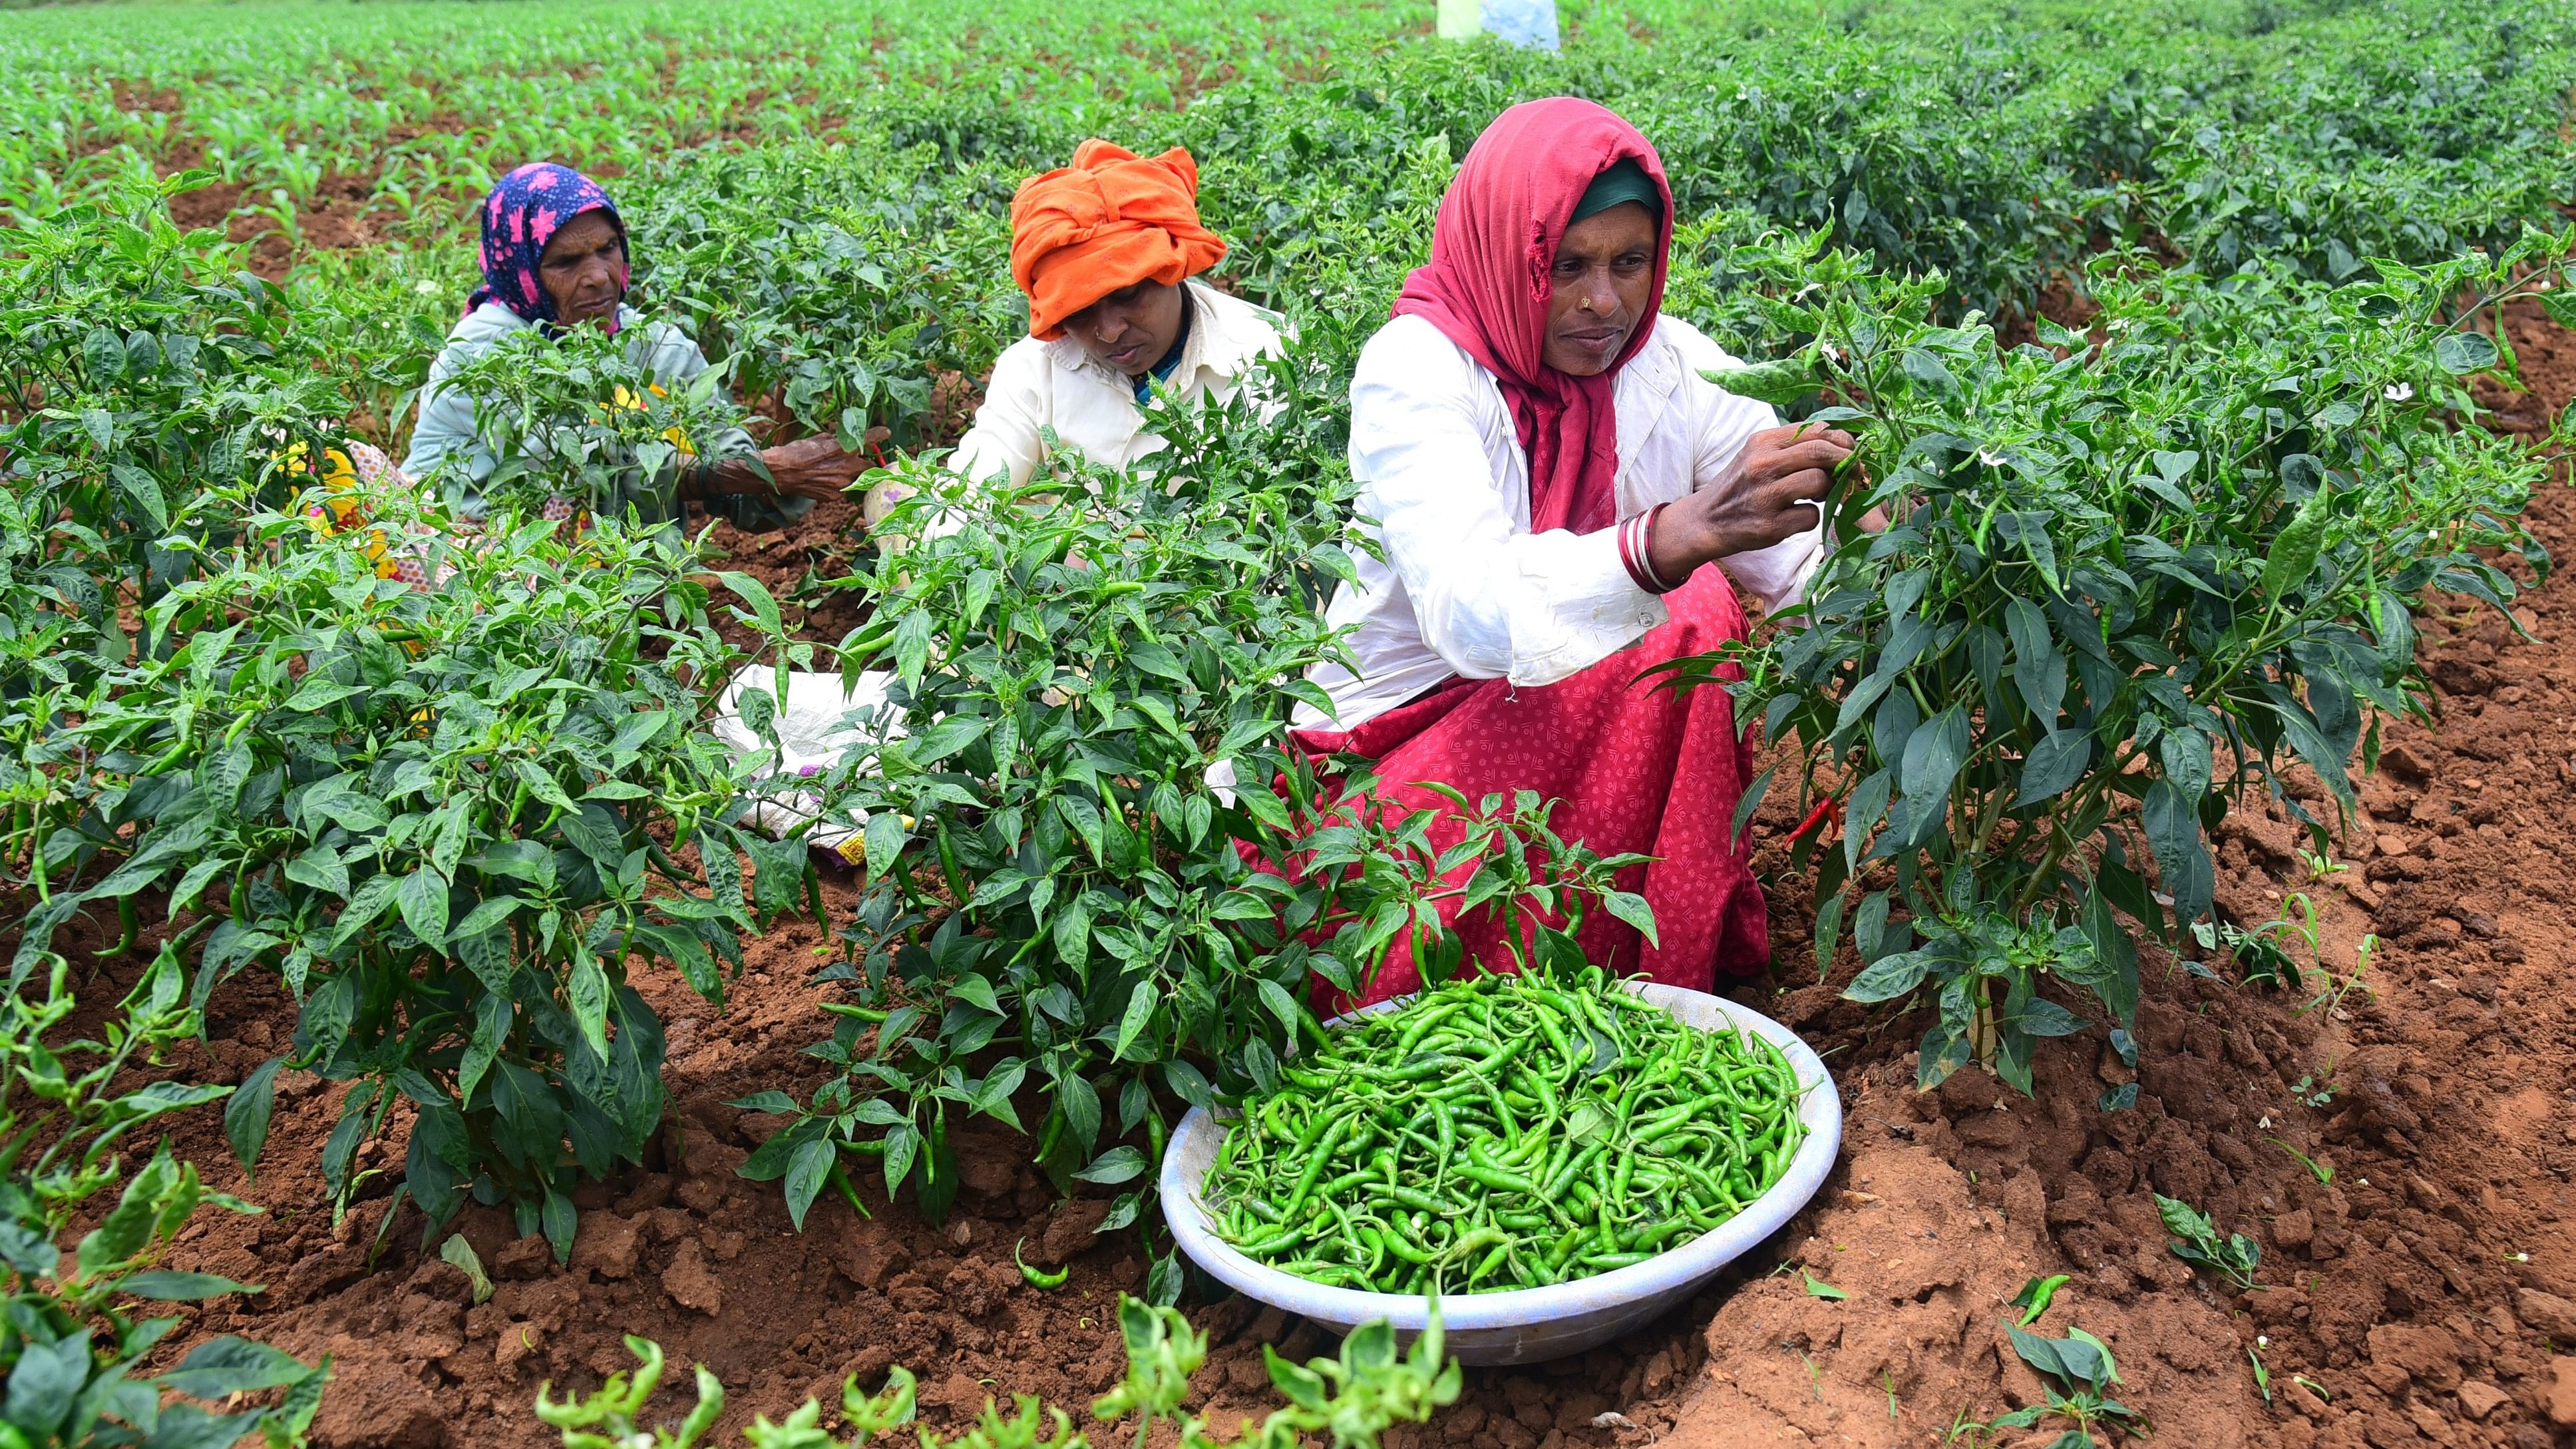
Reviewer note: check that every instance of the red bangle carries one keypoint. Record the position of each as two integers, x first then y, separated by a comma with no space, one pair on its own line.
1636,551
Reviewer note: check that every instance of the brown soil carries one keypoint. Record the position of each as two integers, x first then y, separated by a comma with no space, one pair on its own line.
336,219
2427,1288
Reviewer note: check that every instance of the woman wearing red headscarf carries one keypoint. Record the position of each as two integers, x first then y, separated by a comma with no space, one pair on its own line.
1549,477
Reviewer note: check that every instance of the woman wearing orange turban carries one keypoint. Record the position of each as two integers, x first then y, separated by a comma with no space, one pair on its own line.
1105,249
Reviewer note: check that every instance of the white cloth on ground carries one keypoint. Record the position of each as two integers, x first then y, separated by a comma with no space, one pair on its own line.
815,728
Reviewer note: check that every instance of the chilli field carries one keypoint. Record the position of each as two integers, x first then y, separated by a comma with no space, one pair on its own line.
2164,822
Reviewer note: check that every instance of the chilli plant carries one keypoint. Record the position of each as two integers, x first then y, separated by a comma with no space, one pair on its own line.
590,422
2129,576
454,818
1094,871
72,1334
1050,859
1353,1399
145,388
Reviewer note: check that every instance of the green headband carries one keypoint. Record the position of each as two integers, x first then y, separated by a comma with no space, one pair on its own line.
1623,182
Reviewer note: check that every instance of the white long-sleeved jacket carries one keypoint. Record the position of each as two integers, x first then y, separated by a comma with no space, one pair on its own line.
1465,588
1091,406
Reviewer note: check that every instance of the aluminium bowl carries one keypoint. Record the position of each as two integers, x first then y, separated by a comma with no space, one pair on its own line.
1528,1325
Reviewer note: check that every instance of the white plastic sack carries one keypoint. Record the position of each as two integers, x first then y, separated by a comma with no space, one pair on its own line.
814,729
1529,24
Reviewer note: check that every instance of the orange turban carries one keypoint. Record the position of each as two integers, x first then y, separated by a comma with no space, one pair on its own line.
1110,220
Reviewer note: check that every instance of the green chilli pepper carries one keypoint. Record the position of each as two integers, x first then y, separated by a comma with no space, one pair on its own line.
1039,1278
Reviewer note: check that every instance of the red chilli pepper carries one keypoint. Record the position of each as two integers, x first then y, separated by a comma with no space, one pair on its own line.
1826,809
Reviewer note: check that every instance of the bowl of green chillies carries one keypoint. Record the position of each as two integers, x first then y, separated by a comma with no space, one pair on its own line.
1556,1161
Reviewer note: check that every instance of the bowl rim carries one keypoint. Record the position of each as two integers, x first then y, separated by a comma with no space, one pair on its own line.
1666,1273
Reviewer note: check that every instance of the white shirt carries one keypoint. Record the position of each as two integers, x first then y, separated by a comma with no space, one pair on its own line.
1092,406
1464,587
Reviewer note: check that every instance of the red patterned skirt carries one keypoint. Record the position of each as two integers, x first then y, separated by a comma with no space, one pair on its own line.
1636,767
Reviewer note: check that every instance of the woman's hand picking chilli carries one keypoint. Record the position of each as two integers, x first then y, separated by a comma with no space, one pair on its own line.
1776,493
814,467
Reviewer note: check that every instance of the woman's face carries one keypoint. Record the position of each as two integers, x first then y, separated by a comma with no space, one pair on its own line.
1130,329
582,266
1604,272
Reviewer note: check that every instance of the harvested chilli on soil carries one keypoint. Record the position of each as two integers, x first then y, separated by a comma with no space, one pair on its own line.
1504,1132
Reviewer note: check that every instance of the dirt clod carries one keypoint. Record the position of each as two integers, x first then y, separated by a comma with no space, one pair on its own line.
527,1257
2547,1314
691,1283
2559,1394
2480,1399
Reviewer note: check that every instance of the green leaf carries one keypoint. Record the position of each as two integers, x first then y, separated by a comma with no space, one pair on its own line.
1118,1164
2040,1353
320,693
163,1285
903,1143
558,1221
884,838
806,1173
1632,909
487,914
2053,766
2184,1221
460,1253
2096,1368
638,731
246,1116
127,1229
1140,1012
586,992
1296,1383
977,992
422,897
1745,806
2172,824
321,868
1242,905
764,605
2296,546
1933,755
543,786
1890,977
947,737
2039,666
771,1159
1778,383
1282,1005
2461,353
43,1383
1079,1101
1072,934
229,1365
1819,1288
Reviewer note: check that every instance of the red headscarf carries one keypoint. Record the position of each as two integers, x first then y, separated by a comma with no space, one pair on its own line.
1488,285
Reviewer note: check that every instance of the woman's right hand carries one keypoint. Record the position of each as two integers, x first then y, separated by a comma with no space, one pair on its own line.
814,467
1780,482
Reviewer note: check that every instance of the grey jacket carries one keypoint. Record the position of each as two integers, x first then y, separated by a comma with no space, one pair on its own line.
445,434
